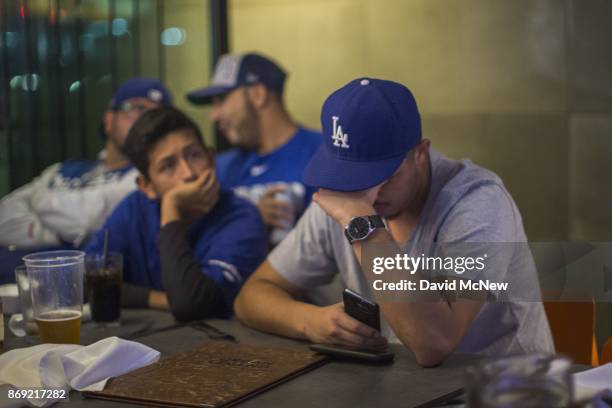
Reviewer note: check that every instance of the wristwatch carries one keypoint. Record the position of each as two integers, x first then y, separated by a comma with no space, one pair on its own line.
359,228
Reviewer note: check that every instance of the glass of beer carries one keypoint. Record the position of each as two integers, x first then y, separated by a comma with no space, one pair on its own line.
56,285
103,282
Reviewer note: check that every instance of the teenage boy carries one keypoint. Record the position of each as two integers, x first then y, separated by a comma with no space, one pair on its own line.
187,244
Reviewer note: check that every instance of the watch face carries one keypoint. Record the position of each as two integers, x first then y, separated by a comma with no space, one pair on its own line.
358,228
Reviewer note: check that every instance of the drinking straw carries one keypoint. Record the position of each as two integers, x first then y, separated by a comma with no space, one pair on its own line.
105,247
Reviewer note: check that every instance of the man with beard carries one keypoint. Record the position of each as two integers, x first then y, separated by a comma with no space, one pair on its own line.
70,200
381,185
271,150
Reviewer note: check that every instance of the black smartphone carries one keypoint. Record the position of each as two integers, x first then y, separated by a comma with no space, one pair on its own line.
367,312
372,355
361,309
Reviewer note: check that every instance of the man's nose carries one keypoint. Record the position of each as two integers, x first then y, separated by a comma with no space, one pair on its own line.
186,171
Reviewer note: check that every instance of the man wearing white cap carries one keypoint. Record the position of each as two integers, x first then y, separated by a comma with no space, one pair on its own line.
270,149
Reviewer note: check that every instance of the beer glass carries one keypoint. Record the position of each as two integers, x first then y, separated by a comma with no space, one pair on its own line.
56,285
103,282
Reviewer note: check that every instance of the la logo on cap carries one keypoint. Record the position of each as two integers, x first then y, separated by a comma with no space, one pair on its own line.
340,139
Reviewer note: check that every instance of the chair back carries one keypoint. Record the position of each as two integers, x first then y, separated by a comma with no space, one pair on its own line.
606,354
573,329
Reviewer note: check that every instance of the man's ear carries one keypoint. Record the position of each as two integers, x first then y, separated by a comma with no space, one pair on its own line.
259,95
422,150
145,185
109,119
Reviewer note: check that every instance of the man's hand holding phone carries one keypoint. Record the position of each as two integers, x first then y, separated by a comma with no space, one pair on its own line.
351,330
333,326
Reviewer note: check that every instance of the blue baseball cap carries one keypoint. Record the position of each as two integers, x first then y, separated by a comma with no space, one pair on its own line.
368,127
235,70
152,89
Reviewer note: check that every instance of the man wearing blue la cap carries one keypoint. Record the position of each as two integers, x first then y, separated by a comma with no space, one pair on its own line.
271,149
70,200
379,182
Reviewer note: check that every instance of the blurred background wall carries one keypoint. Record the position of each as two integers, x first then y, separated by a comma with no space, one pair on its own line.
60,60
522,87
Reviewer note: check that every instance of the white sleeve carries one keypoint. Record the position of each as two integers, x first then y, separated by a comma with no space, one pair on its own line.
19,223
77,213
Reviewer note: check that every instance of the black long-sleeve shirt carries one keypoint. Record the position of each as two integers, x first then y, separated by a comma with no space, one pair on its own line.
191,294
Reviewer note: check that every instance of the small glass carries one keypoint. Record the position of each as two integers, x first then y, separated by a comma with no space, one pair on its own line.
56,285
104,277
24,324
525,381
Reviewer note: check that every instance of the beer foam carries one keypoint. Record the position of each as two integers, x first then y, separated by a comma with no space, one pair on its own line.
59,315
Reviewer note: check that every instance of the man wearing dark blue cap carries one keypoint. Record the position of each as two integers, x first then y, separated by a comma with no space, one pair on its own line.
70,200
381,184
271,150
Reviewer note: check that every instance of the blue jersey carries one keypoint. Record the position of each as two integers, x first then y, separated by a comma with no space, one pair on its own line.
250,174
229,243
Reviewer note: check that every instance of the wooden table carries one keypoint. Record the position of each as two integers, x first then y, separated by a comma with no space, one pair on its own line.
336,384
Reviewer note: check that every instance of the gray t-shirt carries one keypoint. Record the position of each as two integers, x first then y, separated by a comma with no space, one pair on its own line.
466,203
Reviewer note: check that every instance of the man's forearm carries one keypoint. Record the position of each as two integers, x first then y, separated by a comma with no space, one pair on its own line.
158,300
425,323
264,306
429,329
134,296
169,211
191,294
142,297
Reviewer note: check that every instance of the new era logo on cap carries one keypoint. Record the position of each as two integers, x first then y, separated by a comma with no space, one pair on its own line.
370,125
251,78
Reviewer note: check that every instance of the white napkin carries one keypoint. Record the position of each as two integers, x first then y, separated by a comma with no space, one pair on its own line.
590,382
83,368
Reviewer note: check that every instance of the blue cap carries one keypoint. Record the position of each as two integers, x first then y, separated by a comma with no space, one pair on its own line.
152,89
368,127
235,70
